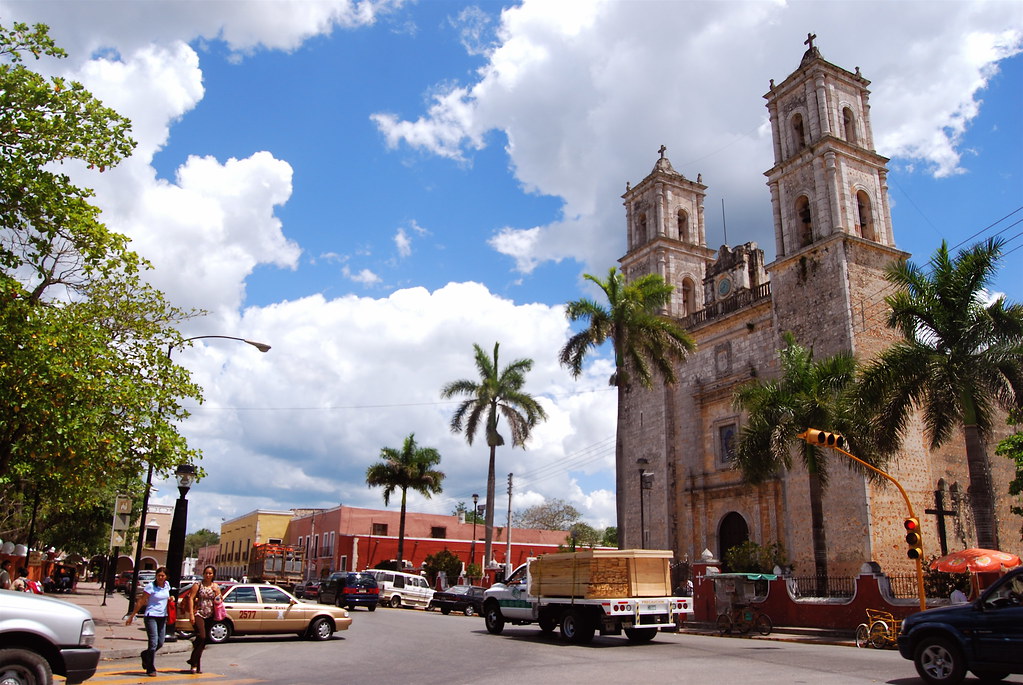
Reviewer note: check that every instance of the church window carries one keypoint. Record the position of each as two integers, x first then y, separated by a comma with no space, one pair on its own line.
727,435
849,125
864,217
805,219
798,132
688,297
641,229
683,226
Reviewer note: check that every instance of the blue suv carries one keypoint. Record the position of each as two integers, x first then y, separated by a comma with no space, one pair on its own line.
985,637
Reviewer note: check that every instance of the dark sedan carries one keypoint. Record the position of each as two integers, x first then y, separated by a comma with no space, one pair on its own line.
465,598
308,590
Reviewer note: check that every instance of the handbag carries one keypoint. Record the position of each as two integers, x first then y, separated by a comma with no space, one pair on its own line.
219,613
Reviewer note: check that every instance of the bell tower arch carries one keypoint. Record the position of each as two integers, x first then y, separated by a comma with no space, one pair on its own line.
666,234
829,195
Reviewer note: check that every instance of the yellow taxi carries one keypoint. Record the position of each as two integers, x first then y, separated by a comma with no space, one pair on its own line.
257,609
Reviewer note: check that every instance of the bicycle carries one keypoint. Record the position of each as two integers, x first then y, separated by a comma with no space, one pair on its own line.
880,631
742,619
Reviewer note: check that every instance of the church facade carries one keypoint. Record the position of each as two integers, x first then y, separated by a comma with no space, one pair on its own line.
833,241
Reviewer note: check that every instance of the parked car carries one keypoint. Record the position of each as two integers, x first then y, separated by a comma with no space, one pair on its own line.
399,589
122,581
350,589
984,637
40,636
308,590
145,578
465,598
254,608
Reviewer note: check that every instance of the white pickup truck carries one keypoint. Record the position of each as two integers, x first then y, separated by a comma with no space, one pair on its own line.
517,601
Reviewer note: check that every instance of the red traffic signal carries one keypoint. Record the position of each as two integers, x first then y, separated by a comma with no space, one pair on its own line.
822,438
913,538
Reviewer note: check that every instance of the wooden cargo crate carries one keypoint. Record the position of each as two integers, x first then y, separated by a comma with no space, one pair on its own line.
600,574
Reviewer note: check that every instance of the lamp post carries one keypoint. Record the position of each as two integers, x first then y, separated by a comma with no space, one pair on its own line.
472,549
185,476
262,347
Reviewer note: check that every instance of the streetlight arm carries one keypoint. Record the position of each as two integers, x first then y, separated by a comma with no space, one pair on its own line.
262,347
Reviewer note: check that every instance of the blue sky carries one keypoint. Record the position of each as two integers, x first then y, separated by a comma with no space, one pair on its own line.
372,187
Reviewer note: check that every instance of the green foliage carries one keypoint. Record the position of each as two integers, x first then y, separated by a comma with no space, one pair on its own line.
470,516
553,514
410,468
443,560
750,557
960,359
199,539
474,571
1012,448
641,336
497,393
609,538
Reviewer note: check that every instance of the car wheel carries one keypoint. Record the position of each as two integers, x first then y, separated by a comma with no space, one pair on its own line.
445,610
576,627
22,667
638,635
493,618
395,601
469,611
321,629
990,676
219,631
938,661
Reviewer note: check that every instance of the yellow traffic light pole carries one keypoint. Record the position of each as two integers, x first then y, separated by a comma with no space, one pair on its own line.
820,438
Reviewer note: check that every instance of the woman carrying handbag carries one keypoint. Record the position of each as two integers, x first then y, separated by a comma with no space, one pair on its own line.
205,605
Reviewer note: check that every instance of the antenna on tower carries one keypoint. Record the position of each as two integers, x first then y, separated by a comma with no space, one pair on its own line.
724,221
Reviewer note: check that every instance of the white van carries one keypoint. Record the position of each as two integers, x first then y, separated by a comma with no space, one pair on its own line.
399,589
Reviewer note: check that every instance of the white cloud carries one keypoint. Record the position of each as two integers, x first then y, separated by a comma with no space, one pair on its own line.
363,276
403,243
586,92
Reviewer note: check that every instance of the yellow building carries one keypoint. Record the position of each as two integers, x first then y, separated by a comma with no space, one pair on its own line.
238,535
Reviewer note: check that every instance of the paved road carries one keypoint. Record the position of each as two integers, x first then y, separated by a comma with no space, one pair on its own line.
427,648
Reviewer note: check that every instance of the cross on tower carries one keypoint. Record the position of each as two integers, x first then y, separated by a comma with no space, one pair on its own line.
809,39
662,150
941,512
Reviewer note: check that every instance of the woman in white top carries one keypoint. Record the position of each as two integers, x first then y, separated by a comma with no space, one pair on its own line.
154,598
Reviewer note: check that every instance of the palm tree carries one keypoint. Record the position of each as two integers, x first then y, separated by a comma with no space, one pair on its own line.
497,393
959,360
410,468
808,394
641,336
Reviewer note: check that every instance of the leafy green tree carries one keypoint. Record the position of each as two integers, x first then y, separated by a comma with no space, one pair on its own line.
609,537
470,515
410,468
203,537
87,393
750,557
497,393
643,340
444,560
960,359
553,514
582,534
808,394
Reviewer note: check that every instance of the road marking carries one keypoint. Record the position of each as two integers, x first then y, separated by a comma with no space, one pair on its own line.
120,675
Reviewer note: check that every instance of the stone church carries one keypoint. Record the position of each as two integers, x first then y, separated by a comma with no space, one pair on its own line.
833,240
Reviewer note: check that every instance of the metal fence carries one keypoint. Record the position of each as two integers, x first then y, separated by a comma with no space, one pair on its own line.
822,586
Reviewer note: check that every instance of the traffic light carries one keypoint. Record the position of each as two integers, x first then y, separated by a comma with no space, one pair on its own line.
822,438
913,539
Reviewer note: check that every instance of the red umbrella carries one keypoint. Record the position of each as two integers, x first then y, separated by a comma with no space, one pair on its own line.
975,560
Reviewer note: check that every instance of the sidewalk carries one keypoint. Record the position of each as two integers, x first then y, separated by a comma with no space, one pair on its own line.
114,639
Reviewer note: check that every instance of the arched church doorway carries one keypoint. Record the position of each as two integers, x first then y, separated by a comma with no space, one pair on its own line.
731,532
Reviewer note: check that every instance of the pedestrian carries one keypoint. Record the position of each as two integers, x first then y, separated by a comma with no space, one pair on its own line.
155,597
202,598
20,583
957,596
5,574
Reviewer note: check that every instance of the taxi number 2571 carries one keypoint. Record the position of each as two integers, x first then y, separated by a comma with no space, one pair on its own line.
246,614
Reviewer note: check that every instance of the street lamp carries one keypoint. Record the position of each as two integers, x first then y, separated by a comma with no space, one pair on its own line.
472,549
185,476
262,347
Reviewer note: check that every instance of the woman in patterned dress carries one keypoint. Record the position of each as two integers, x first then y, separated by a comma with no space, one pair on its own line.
201,597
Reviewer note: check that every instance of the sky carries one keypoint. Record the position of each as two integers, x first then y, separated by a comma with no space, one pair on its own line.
371,187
